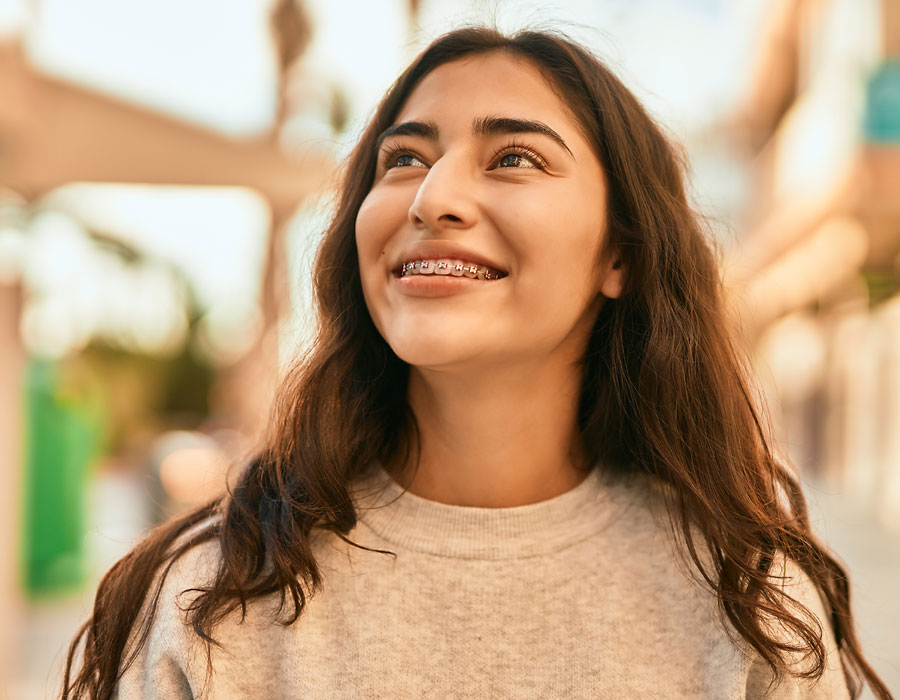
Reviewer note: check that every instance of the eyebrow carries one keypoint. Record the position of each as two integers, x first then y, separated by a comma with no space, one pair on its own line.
482,126
493,126
427,130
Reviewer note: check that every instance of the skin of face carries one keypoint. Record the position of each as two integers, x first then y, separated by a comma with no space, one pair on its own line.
523,201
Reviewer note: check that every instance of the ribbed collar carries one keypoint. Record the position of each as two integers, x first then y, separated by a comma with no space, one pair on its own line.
468,532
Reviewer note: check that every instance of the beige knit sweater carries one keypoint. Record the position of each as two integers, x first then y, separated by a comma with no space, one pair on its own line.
578,596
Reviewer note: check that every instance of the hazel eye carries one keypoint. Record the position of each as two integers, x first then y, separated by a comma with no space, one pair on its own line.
402,160
519,157
515,160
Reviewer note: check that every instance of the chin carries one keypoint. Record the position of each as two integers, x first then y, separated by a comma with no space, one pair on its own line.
431,352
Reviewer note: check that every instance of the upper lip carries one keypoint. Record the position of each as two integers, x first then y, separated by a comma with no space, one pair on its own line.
433,250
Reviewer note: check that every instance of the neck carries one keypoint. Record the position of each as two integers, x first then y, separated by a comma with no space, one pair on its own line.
495,439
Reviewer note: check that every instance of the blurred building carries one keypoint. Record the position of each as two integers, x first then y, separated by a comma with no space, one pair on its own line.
817,273
81,300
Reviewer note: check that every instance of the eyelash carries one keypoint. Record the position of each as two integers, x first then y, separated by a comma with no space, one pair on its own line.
513,147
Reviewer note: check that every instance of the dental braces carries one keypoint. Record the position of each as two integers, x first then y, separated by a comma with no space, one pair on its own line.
470,271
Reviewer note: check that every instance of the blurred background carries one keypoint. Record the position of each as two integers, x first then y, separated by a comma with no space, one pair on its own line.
165,174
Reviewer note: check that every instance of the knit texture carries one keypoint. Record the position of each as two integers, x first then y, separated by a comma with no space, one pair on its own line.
579,596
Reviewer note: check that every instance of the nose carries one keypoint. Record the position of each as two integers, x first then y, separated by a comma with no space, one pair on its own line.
446,198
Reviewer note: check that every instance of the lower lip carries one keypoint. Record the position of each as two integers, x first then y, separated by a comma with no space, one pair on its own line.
439,285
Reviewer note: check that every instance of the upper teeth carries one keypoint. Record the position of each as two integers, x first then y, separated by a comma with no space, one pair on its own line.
450,266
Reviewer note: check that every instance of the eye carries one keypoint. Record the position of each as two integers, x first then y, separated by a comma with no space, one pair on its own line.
519,157
401,158
515,160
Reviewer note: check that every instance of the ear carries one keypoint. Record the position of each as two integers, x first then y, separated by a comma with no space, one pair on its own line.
613,280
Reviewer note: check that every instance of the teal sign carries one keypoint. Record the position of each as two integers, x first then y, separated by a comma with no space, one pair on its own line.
882,117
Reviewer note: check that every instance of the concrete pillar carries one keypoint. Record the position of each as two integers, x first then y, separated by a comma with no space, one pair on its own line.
890,28
12,364
888,504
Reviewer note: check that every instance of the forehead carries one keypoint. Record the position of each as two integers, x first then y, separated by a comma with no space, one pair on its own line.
496,83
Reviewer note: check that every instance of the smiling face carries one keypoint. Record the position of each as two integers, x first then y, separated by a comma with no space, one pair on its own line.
485,168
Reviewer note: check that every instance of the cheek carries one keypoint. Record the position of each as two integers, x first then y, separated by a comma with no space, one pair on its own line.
369,226
554,235
379,224
369,244
577,231
375,222
381,218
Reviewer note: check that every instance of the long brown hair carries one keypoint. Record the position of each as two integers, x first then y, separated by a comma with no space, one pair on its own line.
664,392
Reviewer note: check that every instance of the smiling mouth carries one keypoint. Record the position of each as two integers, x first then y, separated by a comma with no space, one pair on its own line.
449,266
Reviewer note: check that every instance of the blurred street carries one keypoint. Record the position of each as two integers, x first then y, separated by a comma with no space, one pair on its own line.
872,555
170,174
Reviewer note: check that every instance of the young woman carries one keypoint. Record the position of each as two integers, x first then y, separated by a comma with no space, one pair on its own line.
521,459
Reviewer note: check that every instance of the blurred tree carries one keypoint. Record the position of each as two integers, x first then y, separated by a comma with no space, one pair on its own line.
107,398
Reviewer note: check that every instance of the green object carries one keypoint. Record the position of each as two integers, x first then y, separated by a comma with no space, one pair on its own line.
62,437
882,117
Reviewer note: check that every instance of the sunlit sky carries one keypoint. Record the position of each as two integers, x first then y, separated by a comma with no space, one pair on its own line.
210,61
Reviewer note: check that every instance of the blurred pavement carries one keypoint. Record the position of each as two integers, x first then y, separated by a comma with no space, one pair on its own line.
872,555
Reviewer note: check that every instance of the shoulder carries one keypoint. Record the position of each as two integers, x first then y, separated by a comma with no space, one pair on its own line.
176,582
650,543
803,599
191,572
163,653
643,527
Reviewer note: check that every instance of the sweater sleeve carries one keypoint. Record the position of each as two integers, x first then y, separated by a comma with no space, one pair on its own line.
154,675
165,665
832,685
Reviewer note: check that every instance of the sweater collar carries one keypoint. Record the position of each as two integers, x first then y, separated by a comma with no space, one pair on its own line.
415,523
